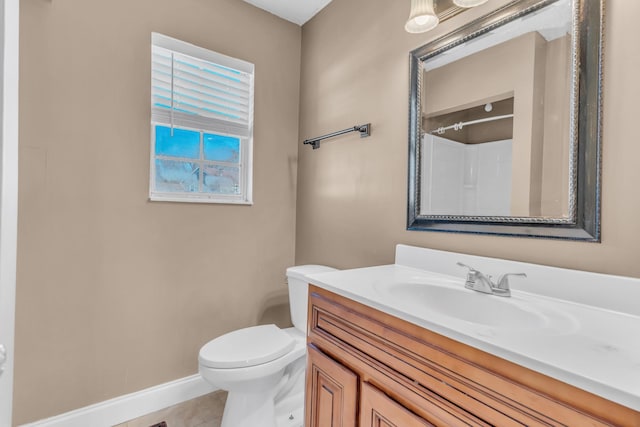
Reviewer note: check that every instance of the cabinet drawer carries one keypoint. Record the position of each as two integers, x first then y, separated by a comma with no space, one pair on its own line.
415,361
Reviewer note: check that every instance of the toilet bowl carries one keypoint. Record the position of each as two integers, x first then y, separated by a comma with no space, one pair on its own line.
262,367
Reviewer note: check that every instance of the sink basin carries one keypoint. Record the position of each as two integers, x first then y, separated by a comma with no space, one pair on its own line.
457,303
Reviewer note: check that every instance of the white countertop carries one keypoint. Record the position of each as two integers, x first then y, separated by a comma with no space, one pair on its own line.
596,348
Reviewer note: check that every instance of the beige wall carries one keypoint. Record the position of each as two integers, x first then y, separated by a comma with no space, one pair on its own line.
116,293
352,192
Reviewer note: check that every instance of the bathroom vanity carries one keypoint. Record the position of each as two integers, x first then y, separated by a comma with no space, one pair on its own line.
405,346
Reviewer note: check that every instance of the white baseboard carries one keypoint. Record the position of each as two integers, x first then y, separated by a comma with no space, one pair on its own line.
130,406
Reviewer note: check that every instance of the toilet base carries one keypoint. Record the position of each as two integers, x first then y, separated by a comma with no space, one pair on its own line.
290,411
249,410
259,409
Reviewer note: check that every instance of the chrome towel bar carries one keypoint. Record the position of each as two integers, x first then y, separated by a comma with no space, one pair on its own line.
365,130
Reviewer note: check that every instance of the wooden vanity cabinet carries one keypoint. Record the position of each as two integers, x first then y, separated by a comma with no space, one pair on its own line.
367,368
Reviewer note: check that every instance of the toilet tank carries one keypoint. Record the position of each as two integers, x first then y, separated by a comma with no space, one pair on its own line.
298,289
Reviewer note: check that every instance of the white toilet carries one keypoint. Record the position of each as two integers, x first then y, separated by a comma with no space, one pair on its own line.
262,367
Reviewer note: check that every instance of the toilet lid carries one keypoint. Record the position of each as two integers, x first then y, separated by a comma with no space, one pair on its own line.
246,347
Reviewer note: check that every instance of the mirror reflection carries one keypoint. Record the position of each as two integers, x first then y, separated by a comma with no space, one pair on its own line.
496,116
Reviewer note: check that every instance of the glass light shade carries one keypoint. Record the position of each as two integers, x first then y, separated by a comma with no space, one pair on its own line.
469,3
422,17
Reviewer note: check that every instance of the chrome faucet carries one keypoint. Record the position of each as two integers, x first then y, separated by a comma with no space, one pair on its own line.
480,282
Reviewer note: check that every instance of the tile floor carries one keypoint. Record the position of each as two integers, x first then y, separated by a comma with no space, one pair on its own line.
204,411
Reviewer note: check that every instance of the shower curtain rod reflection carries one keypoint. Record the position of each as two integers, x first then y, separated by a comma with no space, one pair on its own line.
458,126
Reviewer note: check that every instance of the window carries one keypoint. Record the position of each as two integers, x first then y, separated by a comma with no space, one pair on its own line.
201,124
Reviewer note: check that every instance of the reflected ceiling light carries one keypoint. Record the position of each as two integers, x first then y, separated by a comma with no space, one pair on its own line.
422,17
469,3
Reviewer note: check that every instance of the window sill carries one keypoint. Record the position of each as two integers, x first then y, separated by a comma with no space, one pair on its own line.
216,201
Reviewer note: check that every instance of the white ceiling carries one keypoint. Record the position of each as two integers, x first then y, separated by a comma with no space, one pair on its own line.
296,11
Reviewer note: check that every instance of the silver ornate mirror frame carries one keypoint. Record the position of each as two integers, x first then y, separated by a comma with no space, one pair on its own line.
583,222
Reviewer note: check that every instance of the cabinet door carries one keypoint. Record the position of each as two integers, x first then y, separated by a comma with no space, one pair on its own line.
378,410
332,392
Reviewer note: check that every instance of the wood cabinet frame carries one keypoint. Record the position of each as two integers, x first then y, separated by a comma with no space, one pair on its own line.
445,382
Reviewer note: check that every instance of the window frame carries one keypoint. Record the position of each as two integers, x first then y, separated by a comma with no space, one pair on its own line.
245,161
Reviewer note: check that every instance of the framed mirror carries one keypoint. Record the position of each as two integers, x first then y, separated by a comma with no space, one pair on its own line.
505,124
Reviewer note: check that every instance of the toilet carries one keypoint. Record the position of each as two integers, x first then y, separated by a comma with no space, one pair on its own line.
262,367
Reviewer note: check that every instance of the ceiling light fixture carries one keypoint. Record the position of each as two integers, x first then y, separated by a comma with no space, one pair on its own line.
422,17
469,3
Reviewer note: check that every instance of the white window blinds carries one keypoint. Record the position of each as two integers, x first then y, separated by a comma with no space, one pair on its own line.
197,88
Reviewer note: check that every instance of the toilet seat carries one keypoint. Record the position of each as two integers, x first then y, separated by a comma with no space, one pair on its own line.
246,347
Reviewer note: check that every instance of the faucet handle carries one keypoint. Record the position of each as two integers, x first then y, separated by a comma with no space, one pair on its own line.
503,282
471,269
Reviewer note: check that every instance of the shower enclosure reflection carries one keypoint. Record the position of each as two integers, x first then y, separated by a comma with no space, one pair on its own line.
496,141
467,165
